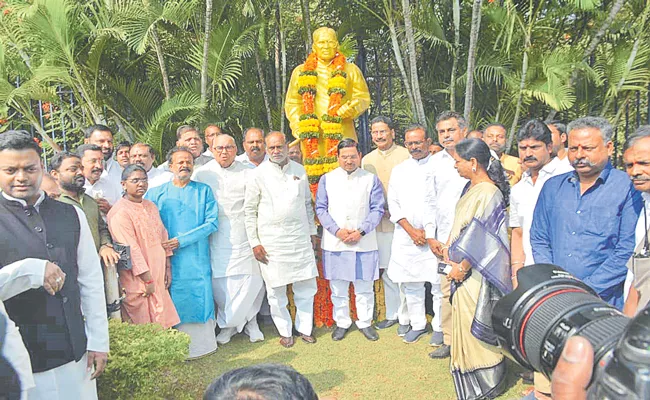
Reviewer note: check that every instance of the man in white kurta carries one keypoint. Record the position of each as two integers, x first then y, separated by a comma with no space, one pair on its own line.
237,283
349,205
381,162
444,187
144,155
279,221
412,264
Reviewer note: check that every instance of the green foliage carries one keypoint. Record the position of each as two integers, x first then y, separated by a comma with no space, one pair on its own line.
140,357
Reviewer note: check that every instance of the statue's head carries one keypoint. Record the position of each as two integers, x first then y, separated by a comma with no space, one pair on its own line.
325,43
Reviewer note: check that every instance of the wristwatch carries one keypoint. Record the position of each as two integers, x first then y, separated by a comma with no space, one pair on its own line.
362,233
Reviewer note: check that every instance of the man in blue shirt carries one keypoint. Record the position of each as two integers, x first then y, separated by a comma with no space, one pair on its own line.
584,220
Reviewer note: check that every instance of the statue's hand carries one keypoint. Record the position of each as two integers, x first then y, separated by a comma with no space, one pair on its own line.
348,110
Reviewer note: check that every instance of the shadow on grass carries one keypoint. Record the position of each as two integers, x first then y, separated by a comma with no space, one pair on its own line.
326,380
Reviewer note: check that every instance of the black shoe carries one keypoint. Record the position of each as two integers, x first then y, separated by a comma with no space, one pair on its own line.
443,351
370,333
387,323
527,377
339,334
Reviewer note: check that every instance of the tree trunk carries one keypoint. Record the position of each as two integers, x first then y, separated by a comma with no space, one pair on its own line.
454,65
265,95
283,53
206,47
400,64
616,7
276,51
306,19
522,85
161,62
471,57
415,81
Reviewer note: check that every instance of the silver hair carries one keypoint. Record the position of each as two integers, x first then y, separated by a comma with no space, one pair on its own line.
641,132
602,124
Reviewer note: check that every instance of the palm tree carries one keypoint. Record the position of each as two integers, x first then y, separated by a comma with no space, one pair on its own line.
415,81
471,57
206,48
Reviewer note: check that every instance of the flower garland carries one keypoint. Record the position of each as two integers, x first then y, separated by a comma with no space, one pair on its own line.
331,125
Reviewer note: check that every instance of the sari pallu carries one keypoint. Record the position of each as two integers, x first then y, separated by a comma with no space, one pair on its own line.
480,236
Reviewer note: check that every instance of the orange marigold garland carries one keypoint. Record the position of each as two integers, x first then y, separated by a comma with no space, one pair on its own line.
330,124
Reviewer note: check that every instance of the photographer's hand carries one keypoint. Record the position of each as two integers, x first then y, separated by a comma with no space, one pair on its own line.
573,370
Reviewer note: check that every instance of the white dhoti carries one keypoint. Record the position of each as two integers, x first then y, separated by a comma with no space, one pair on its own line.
238,299
202,338
415,295
364,300
393,296
303,297
69,381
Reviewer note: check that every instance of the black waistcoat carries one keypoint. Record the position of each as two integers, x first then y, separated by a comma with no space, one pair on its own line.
52,327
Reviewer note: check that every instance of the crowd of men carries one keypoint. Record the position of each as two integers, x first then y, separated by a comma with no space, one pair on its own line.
224,235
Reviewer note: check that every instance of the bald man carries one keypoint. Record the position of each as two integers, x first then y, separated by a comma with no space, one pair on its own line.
237,283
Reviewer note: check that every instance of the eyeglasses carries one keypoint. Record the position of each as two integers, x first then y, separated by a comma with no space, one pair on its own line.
135,181
417,143
377,133
219,149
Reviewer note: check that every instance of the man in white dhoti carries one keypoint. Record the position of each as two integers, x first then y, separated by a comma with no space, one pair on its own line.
279,221
412,264
444,187
237,284
381,162
349,205
64,345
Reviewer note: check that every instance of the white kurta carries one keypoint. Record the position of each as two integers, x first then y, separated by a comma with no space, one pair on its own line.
25,274
104,188
230,252
406,199
280,217
523,198
157,177
444,187
243,158
113,172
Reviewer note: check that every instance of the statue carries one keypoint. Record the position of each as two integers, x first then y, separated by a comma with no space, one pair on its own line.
324,96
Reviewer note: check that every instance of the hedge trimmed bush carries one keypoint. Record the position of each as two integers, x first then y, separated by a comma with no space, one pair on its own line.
140,357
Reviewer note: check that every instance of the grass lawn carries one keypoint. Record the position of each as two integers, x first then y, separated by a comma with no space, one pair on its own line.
353,368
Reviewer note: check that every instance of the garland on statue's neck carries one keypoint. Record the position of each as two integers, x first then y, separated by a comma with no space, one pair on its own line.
330,123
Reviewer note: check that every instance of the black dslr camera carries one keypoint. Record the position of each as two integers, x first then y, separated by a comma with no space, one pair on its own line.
550,305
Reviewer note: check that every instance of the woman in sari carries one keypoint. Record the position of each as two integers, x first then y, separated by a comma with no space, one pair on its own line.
135,222
479,256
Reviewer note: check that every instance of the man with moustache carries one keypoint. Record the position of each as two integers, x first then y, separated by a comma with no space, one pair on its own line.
381,162
102,136
237,284
349,205
122,154
495,137
254,147
584,221
444,187
295,153
97,185
279,221
189,212
66,169
435,148
411,263
535,151
188,137
209,134
636,159
67,348
144,155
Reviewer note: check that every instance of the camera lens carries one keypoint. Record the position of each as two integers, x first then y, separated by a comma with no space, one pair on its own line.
549,305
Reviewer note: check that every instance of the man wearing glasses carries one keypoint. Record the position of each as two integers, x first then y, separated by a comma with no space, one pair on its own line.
381,162
237,284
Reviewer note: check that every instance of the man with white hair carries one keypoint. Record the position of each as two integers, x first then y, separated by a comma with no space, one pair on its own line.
279,221
237,284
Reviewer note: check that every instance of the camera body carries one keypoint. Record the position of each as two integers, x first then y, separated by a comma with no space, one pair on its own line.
550,305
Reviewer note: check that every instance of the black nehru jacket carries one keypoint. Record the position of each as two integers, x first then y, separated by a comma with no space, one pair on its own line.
52,327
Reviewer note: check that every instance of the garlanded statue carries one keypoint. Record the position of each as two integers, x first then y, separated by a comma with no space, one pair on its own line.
325,95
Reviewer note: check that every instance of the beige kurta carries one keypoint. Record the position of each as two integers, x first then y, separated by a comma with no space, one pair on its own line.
381,163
